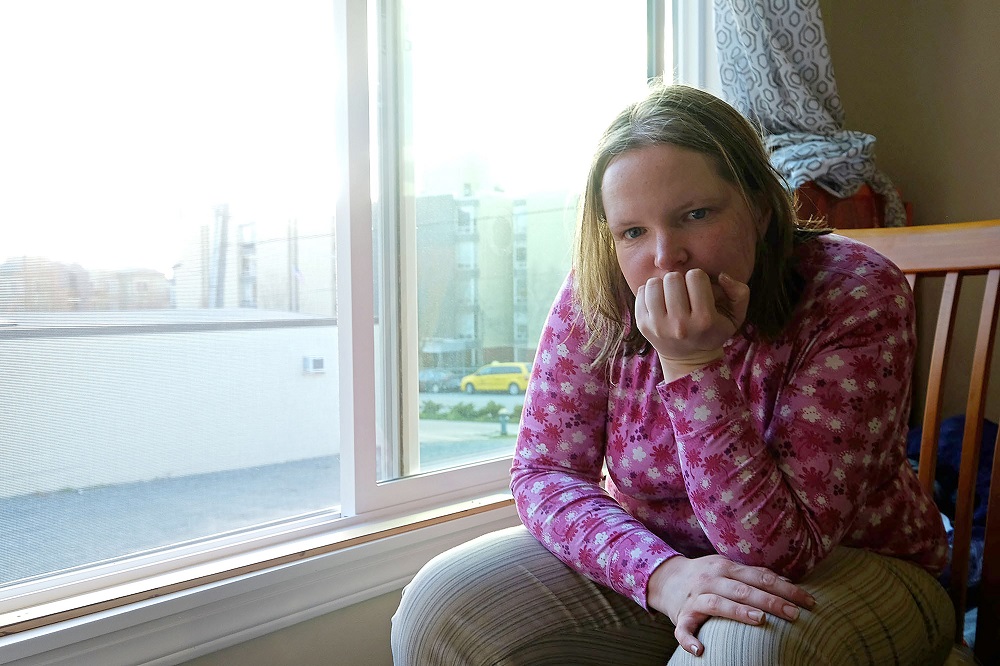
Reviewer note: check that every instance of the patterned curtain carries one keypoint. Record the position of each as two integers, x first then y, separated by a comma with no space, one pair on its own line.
775,68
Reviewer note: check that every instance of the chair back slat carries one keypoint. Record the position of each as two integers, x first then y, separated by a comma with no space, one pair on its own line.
972,438
969,463
988,641
936,379
956,251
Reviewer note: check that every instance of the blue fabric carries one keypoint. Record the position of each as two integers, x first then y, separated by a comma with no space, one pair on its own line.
946,482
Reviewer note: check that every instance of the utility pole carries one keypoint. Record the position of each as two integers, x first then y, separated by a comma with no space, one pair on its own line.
217,275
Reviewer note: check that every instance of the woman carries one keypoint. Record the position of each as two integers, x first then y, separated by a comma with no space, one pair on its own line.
745,383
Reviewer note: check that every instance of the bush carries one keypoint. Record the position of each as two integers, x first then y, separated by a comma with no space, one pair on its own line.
465,411
491,411
430,409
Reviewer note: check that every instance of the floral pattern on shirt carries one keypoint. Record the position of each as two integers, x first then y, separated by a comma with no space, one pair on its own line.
771,456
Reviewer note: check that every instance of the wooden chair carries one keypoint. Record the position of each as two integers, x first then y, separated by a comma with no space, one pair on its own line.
956,251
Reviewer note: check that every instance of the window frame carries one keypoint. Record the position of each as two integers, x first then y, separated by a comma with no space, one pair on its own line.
372,512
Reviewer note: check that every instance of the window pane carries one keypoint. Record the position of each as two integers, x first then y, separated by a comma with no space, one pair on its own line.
168,338
502,105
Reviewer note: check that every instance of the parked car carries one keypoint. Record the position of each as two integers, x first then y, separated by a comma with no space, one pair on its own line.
509,377
435,380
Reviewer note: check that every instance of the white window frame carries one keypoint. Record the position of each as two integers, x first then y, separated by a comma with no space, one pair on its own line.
141,610
694,58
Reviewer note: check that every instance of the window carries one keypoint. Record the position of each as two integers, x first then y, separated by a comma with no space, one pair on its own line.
496,145
168,242
226,265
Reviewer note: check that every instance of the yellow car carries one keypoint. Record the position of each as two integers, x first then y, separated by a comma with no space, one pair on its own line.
509,377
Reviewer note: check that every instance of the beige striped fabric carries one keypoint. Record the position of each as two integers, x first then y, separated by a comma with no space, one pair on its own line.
503,599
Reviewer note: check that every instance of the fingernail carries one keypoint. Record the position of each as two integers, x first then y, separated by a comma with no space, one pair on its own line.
694,649
724,276
811,602
791,612
756,615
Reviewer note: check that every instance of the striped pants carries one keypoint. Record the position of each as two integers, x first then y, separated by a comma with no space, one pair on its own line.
503,599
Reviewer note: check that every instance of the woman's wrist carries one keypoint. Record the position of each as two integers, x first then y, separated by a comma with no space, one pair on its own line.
675,368
658,583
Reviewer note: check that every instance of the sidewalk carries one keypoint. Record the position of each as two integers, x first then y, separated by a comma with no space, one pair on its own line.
44,533
450,443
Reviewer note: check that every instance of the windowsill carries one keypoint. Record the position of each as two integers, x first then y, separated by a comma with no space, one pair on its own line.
246,595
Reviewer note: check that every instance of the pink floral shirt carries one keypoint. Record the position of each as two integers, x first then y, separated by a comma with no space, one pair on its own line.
771,456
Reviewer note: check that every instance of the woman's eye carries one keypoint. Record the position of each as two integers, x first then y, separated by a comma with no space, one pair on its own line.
698,214
632,233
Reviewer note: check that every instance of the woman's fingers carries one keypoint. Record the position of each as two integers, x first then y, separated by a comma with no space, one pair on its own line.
693,303
690,591
734,290
653,298
737,299
685,631
702,299
779,591
687,317
743,604
762,589
739,592
705,606
675,293
749,598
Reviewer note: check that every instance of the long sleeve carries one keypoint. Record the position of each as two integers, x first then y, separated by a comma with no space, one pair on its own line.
557,464
823,464
771,456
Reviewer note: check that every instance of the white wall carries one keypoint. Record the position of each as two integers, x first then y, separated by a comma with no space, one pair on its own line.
84,411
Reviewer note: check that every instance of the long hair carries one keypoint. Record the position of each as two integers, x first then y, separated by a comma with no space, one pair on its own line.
688,118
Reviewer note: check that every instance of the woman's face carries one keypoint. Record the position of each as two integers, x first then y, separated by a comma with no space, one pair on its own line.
669,210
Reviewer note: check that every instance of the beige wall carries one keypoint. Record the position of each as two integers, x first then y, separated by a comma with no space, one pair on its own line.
355,636
924,78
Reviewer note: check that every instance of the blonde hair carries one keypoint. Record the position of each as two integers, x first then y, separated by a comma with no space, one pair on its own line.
696,120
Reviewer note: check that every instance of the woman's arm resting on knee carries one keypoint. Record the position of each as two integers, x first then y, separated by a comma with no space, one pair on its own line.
689,591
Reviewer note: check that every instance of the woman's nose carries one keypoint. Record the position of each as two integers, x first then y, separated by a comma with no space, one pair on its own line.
671,255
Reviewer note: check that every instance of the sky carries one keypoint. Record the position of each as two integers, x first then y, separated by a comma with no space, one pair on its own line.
519,91
124,123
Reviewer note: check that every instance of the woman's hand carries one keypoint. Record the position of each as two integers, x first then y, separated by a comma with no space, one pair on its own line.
689,591
687,319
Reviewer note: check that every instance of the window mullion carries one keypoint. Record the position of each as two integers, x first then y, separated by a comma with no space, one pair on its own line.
655,26
694,58
355,269
395,229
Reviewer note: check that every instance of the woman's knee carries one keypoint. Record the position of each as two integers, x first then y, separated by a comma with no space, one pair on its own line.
869,609
873,608
504,599
448,612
